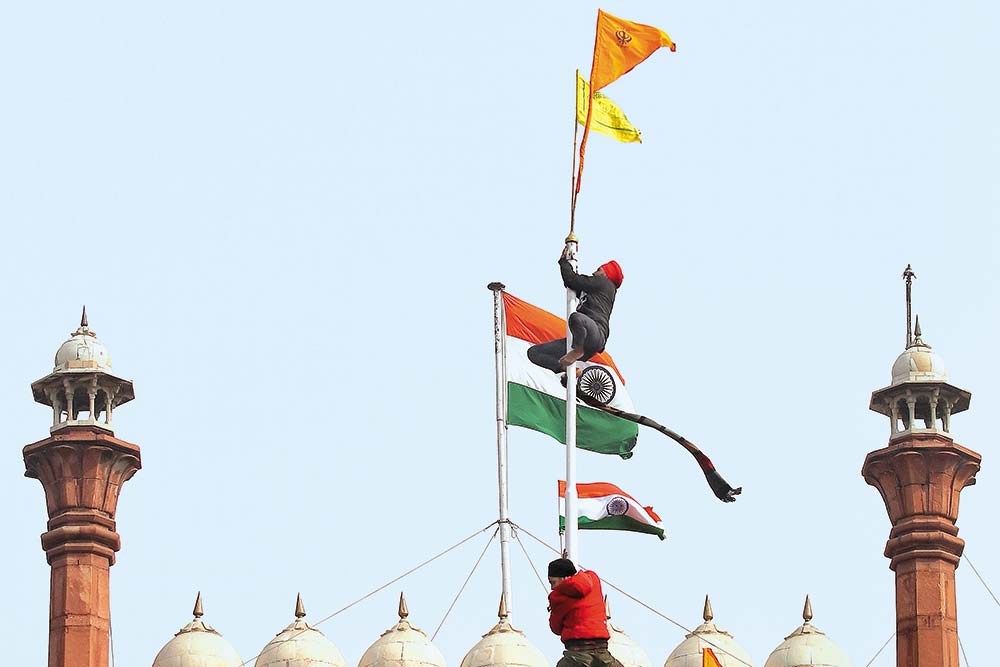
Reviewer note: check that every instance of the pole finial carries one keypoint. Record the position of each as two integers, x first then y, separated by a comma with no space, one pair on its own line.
83,318
916,330
404,611
199,611
300,609
707,611
496,286
807,610
502,612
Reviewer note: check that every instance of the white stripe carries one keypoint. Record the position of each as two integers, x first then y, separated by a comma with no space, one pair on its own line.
523,372
597,508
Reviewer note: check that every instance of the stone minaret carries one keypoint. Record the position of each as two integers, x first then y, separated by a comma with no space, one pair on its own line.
921,475
82,468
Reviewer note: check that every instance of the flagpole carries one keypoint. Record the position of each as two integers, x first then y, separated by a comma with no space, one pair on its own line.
503,500
572,172
572,545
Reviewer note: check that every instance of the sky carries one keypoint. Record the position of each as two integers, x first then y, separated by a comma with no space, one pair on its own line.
282,218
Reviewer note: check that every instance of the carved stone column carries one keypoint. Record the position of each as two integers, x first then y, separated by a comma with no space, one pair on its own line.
921,477
82,470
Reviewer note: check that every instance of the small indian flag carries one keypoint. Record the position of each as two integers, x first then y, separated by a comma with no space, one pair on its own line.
537,400
603,506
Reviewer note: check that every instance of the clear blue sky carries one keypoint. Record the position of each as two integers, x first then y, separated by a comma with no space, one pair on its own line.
282,218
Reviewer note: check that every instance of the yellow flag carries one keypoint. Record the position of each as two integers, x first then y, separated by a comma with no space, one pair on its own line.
607,117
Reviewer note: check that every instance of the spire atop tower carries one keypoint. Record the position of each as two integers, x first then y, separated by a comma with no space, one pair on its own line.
807,610
300,609
404,611
83,318
502,612
908,276
707,611
198,611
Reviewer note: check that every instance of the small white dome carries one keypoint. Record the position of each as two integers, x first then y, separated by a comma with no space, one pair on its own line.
918,363
708,635
503,646
807,647
300,645
82,350
402,645
624,648
197,644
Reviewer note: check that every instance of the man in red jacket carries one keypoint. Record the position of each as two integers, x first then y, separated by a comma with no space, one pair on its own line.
576,614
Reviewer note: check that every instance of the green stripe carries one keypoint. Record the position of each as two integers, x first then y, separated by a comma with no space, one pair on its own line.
596,431
614,523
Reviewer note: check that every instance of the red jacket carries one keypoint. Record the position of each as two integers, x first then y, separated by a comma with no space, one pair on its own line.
576,608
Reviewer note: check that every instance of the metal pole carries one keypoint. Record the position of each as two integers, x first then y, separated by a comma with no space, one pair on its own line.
908,276
572,545
501,382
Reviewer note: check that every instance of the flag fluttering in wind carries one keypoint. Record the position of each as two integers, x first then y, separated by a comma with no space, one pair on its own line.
603,506
708,658
620,45
607,117
537,400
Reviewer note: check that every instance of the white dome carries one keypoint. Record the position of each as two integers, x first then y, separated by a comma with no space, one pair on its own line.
503,646
402,645
197,644
807,647
300,645
707,635
624,648
918,363
82,351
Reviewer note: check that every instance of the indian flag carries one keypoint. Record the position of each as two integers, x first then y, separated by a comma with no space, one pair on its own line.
603,506
537,400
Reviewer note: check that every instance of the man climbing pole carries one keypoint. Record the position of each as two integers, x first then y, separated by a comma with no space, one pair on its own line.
577,615
590,325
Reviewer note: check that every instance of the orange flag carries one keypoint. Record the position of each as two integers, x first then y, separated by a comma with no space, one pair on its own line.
620,45
708,658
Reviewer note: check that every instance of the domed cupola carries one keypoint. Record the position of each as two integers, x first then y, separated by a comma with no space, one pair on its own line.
503,646
80,387
402,645
708,635
623,647
300,645
197,644
919,400
807,647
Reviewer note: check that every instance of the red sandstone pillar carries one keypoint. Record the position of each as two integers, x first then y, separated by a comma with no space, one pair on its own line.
82,469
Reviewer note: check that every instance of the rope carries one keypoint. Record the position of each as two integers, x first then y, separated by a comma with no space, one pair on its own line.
981,579
533,568
962,646
655,611
382,587
879,652
465,583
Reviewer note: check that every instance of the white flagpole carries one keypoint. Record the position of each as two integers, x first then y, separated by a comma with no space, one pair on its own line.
501,386
572,543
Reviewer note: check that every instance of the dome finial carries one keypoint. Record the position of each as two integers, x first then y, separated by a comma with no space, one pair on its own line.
300,609
83,318
807,610
502,612
607,608
707,612
199,611
404,611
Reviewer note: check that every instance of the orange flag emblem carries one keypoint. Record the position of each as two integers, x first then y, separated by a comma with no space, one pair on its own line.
708,658
620,45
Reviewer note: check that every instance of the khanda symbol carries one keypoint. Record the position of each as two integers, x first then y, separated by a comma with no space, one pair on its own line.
623,38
